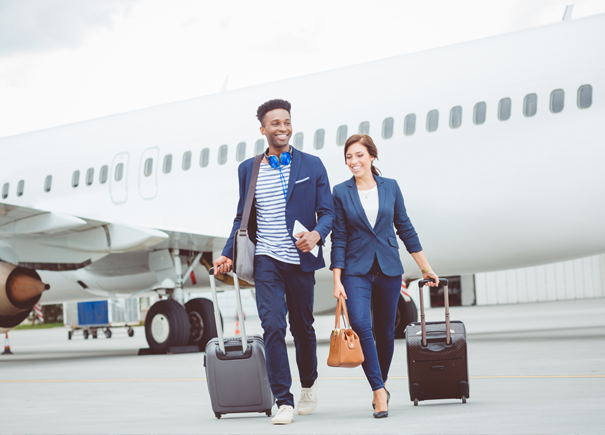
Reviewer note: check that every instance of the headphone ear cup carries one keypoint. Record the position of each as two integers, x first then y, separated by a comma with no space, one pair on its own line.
286,158
273,162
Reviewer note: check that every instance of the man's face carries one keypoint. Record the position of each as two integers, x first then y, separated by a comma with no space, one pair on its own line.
277,128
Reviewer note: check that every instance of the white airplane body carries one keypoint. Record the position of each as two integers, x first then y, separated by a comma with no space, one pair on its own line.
503,194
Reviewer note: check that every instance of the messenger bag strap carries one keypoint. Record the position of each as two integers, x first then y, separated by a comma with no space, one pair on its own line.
251,192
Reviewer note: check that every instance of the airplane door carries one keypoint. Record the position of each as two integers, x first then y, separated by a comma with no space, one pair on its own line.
148,178
118,178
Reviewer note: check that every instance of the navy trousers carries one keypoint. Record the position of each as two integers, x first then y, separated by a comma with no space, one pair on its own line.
283,288
374,295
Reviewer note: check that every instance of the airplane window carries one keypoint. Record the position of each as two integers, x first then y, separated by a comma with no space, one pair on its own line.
205,157
75,179
20,188
480,113
504,109
298,141
364,128
222,154
318,143
119,172
557,98
240,152
90,175
530,105
5,190
48,183
187,161
167,167
103,174
259,147
585,97
148,167
456,117
409,124
432,121
387,128
341,135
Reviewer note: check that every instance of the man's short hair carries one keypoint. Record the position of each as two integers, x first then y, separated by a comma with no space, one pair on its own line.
271,105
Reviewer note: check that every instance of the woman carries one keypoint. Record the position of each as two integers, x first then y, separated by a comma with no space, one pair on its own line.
365,258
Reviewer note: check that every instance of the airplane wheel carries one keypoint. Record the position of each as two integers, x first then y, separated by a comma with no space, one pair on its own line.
406,314
201,317
85,334
166,325
130,332
108,333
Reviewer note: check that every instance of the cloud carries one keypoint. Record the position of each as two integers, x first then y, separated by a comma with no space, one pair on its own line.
35,26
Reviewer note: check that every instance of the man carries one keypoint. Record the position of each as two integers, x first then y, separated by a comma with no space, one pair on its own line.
284,266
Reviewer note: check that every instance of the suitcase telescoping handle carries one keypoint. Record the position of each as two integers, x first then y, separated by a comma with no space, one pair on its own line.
217,315
442,283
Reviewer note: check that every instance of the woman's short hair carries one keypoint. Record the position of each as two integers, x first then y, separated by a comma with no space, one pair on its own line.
367,142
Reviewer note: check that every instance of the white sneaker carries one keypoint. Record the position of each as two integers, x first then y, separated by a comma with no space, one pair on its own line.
285,415
308,400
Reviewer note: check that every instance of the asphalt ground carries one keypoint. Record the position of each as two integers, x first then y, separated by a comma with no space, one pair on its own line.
534,369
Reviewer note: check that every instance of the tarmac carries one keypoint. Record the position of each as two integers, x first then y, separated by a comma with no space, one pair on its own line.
534,369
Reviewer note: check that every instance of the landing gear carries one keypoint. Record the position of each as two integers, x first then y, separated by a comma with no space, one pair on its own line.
201,317
166,325
406,314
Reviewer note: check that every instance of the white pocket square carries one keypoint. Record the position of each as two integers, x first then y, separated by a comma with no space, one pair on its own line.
300,181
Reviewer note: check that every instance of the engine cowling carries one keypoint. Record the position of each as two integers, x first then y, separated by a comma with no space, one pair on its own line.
20,290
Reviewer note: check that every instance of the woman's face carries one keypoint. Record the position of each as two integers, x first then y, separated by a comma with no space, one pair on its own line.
359,160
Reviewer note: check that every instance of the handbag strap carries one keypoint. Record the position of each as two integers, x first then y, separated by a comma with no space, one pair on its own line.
251,192
341,310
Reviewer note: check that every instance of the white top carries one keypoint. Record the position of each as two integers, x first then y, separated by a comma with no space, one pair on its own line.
369,201
272,236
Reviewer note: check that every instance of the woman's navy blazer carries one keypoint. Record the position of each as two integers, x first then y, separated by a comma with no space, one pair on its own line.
355,243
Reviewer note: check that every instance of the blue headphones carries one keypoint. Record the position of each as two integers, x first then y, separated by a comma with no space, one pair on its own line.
276,163
284,159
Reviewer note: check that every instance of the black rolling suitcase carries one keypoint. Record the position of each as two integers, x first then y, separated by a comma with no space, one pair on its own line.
437,357
237,377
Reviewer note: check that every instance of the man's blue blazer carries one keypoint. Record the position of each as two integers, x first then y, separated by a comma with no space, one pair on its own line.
308,200
355,243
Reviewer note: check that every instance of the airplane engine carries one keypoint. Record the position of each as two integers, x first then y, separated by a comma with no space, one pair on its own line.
20,290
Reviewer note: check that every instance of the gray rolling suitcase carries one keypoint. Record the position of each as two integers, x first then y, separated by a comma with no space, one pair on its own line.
437,357
237,375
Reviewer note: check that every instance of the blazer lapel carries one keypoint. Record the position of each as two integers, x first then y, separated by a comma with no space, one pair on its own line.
382,195
294,169
357,202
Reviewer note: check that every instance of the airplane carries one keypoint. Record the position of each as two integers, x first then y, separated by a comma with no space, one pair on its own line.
496,144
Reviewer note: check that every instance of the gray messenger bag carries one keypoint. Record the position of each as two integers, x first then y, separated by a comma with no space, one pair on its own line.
243,247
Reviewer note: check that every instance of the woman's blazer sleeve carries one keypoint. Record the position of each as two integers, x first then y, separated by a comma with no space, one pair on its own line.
403,224
339,234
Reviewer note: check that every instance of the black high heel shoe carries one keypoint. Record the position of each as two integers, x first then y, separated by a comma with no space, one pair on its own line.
383,414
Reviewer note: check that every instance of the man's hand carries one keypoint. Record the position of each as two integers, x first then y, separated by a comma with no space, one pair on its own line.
222,265
307,241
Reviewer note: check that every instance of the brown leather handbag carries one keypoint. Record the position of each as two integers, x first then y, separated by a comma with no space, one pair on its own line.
345,348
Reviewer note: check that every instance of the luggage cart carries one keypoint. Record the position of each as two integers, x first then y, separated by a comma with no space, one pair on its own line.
95,316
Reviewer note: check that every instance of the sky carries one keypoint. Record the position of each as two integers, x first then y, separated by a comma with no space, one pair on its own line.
64,61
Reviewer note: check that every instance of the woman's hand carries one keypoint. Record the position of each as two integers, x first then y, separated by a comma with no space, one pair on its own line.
339,290
431,275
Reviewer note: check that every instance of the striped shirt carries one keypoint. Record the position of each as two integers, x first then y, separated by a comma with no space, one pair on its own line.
272,237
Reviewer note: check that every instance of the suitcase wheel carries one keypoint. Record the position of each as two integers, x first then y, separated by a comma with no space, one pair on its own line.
217,415
463,399
268,412
415,402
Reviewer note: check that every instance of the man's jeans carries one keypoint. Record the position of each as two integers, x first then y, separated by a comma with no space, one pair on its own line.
281,289
374,293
